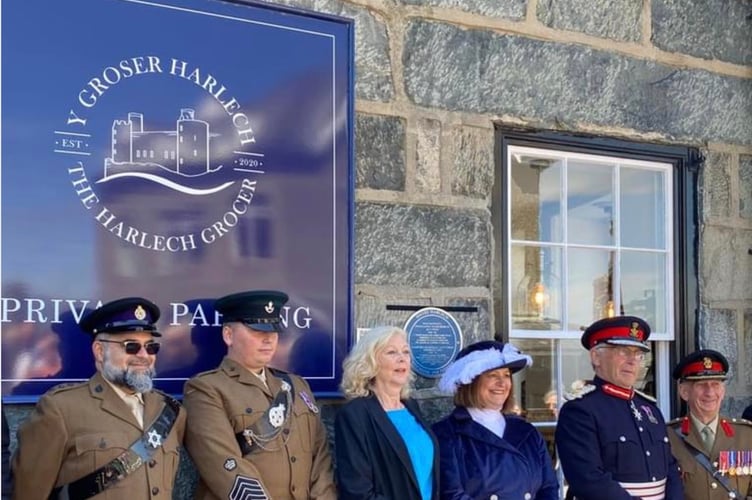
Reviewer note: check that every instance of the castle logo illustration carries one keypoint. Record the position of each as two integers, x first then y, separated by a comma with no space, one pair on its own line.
185,157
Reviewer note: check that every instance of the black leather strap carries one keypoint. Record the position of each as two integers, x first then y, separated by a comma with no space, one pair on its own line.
127,462
263,426
703,460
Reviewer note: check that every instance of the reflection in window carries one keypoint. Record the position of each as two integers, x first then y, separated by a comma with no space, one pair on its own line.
588,239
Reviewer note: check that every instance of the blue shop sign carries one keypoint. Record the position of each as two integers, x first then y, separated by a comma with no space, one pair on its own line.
178,150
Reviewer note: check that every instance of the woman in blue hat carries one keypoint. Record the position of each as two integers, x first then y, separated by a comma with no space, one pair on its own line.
485,453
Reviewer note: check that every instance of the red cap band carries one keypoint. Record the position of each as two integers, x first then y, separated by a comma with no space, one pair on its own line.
700,367
617,332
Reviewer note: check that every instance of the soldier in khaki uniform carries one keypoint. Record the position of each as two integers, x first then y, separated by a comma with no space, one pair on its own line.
254,432
112,437
714,452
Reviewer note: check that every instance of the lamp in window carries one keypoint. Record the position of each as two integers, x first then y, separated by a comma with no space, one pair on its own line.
538,298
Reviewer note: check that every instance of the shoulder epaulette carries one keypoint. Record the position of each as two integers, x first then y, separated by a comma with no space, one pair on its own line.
67,386
740,421
579,392
675,421
207,372
646,396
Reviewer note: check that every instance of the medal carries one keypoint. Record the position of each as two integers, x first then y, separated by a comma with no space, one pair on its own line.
732,463
649,413
723,462
309,402
635,411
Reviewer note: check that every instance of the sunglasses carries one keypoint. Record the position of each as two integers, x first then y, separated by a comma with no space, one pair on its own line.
134,347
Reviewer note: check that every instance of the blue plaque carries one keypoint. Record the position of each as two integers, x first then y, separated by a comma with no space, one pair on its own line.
435,339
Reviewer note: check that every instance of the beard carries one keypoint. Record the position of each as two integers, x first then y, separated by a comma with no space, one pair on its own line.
139,381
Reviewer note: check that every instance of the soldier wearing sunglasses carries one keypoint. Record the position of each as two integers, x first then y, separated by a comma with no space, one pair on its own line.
113,436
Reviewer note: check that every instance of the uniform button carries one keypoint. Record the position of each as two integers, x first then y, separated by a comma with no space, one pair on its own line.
155,491
528,496
622,438
285,431
293,459
493,497
647,453
653,478
665,439
714,485
640,429
152,463
249,410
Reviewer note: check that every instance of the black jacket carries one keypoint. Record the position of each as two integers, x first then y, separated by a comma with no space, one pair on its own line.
371,458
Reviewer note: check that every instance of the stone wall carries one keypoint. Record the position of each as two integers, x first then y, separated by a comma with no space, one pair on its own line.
434,77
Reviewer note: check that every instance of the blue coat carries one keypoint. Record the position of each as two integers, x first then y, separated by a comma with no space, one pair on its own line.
475,463
601,442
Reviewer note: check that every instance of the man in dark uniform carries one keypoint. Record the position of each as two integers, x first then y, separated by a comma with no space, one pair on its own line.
714,452
254,432
611,439
112,437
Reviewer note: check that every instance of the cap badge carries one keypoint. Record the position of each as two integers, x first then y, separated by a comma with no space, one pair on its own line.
269,308
140,313
635,330
707,363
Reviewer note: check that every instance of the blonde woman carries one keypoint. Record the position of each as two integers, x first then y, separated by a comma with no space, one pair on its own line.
383,448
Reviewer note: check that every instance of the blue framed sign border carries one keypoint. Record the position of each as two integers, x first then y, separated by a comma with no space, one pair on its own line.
341,340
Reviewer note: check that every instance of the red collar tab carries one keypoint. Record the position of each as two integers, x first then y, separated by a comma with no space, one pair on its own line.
728,429
685,426
617,392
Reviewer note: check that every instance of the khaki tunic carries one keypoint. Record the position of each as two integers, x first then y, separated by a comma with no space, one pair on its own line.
295,465
76,429
698,483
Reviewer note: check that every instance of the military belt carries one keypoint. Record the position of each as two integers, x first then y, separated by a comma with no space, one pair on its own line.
139,453
263,430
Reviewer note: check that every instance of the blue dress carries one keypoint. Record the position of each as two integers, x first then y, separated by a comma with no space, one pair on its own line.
476,463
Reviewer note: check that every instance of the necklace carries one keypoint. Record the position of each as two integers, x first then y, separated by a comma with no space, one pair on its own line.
389,402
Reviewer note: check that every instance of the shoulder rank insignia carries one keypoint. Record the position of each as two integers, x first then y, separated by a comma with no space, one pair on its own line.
741,421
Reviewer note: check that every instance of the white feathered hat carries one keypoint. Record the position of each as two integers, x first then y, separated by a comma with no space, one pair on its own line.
481,357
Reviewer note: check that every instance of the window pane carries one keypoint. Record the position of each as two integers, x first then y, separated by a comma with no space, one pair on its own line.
536,288
643,280
536,200
590,289
590,203
642,208
534,386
